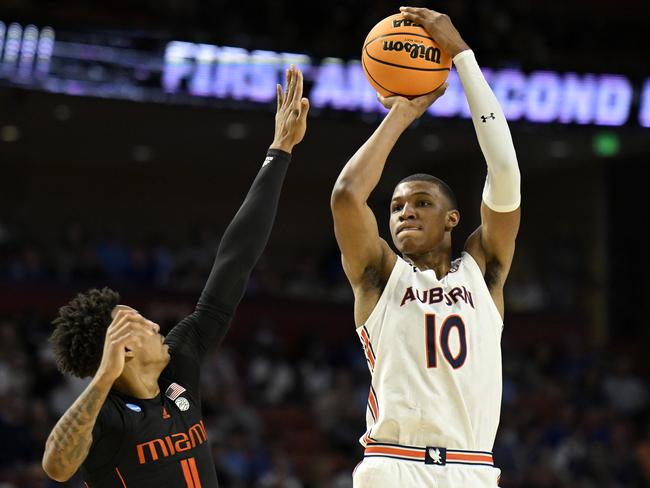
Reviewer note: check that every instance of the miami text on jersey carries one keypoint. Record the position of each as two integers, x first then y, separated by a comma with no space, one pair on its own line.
171,444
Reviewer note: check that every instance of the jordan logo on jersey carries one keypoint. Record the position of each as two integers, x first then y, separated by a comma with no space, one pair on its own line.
437,295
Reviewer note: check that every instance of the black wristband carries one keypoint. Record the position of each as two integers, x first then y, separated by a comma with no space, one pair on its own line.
278,155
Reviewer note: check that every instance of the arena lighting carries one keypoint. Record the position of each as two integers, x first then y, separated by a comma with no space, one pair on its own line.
9,133
25,53
139,67
606,144
644,111
541,96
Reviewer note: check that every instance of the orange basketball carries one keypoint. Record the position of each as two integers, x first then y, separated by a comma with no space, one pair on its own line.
400,58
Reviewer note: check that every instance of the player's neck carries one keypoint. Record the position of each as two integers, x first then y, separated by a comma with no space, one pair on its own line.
438,259
141,383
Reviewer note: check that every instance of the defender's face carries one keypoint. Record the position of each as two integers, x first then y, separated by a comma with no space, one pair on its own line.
153,348
419,217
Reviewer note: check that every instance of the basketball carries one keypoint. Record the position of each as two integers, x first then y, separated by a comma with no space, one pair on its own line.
400,58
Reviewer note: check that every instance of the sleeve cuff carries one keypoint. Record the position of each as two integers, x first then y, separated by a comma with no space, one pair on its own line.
463,58
502,208
276,155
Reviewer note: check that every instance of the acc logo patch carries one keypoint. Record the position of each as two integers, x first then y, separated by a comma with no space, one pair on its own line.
182,403
134,407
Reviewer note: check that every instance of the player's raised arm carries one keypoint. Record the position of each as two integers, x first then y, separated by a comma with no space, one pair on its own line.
366,257
493,243
247,234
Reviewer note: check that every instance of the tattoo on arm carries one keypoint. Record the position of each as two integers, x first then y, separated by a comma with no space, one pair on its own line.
68,443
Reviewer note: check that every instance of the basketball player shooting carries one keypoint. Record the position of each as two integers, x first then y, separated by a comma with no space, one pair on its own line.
430,325
139,421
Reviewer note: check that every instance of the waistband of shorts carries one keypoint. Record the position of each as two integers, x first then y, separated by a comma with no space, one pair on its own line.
433,455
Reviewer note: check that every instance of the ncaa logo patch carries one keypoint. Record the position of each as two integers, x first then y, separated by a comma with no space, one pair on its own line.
134,407
182,404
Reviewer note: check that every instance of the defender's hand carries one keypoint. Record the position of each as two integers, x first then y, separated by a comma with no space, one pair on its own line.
412,109
439,26
126,331
291,114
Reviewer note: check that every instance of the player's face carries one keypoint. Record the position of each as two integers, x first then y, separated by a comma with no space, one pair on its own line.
153,348
419,217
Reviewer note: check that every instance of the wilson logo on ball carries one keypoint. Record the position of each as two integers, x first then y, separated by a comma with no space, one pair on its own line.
399,57
405,23
429,53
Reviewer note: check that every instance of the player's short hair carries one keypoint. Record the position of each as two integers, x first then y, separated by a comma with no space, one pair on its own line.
80,330
444,188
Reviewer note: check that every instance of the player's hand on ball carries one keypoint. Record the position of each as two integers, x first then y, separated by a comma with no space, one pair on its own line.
291,114
125,333
439,26
412,109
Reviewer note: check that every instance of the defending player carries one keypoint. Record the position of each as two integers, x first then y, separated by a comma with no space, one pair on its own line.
139,422
430,326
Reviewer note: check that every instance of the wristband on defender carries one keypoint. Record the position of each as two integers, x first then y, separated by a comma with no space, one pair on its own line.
276,155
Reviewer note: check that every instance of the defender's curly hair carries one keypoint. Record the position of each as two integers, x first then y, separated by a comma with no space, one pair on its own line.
80,330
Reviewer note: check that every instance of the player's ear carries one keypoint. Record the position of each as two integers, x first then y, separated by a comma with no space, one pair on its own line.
453,217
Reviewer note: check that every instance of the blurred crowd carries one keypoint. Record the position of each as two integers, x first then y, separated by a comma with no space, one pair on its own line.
287,411
74,258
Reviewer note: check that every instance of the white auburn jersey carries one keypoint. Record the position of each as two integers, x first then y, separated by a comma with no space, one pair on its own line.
434,352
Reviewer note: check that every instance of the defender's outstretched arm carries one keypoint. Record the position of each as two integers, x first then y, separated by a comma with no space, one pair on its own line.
247,234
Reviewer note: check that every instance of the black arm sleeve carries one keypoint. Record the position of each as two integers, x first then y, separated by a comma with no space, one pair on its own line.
239,250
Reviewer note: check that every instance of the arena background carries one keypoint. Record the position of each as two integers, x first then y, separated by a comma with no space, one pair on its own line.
123,155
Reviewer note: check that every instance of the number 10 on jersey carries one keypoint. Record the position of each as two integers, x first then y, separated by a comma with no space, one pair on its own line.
440,342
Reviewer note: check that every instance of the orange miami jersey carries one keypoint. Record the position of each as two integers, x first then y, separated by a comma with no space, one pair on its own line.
433,347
